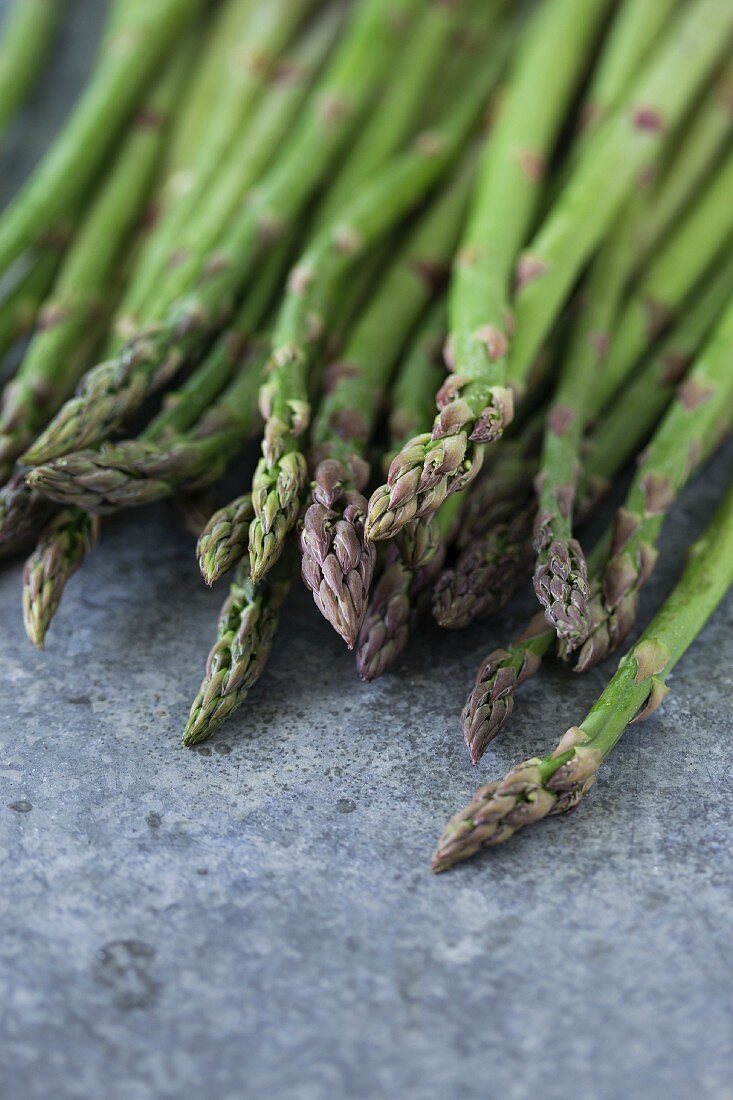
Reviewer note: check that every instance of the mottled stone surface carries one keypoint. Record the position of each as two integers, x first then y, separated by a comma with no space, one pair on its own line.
256,919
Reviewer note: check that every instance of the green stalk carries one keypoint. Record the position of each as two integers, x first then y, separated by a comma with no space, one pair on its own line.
623,146
87,278
280,476
612,444
634,31
399,109
556,783
233,148
21,306
110,393
475,404
64,174
672,274
702,141
411,399
28,33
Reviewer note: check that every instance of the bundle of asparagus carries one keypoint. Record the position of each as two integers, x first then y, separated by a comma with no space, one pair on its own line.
286,232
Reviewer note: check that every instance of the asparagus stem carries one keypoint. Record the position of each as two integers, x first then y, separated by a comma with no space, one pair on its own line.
61,549
244,129
475,404
337,562
612,444
556,783
625,144
377,208
50,368
138,471
670,277
247,624
704,402
27,37
111,392
66,171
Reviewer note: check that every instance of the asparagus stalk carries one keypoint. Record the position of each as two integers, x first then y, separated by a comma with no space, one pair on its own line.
556,783
704,402
223,541
27,37
111,392
672,274
22,304
247,624
397,112
212,174
62,178
138,471
337,563
411,404
475,403
61,549
377,208
611,446
50,369
628,142
635,29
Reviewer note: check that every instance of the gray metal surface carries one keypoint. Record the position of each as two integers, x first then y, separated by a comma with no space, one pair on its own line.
256,919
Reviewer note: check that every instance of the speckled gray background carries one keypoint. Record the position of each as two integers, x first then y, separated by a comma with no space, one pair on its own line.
257,919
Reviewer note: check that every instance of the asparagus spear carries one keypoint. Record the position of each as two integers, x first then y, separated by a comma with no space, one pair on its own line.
223,541
180,412
556,783
625,144
28,33
492,699
337,563
61,549
400,595
22,514
703,403
63,176
636,27
214,171
86,280
377,208
22,304
112,391
399,109
475,403
675,269
394,607
138,471
247,624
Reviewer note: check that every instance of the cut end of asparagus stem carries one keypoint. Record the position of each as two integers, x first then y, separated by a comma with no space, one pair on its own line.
337,563
224,540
